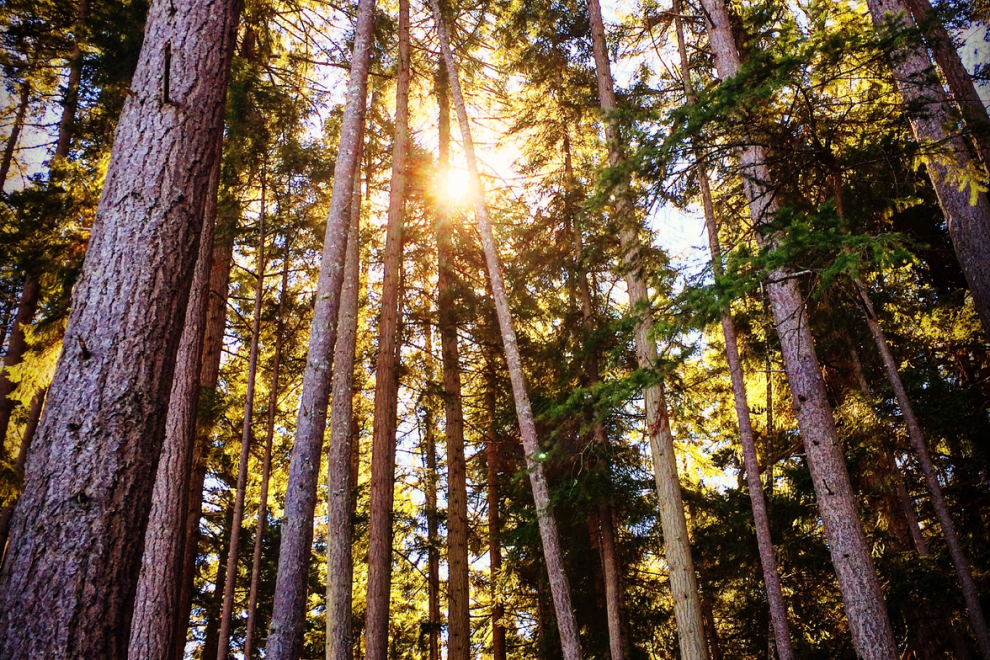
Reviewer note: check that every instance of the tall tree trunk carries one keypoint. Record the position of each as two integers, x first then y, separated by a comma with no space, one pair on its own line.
27,307
560,589
771,577
430,488
211,636
927,110
386,374
683,584
67,587
266,466
242,470
865,608
285,636
70,102
156,604
341,478
494,533
30,428
960,83
190,549
15,133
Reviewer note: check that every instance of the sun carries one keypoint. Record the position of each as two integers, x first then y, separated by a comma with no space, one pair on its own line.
457,186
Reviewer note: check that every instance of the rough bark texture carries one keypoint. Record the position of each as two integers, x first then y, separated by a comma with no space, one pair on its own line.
566,622
242,470
30,428
927,109
289,610
156,604
495,535
15,133
865,608
771,577
683,584
67,587
386,374
216,309
343,438
27,307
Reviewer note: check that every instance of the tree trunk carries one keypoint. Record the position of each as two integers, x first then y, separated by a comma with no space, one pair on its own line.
343,439
194,512
70,102
566,621
242,470
683,584
27,307
865,608
771,577
266,466
156,604
30,428
927,110
211,636
430,487
15,133
494,534
67,587
386,374
285,637
216,309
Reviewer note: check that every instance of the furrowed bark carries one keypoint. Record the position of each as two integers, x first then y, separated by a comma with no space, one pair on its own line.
235,534
864,604
566,622
285,636
67,587
341,479
683,583
15,133
771,577
156,604
927,111
30,428
386,374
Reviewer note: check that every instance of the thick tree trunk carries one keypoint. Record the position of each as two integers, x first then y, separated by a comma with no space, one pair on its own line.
285,637
566,622
27,307
341,478
30,428
495,535
242,469
865,608
156,604
15,133
683,584
386,373
266,466
771,577
927,108
67,587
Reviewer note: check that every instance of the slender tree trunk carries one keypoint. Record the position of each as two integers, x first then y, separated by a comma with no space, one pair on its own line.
494,534
211,636
865,608
927,109
27,307
687,609
430,488
30,428
342,477
70,102
386,374
242,470
67,587
156,604
216,309
566,622
15,133
285,636
194,512
266,466
771,577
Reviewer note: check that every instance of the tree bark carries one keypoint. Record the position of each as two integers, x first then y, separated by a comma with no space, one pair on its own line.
30,428
242,470
341,478
386,374
15,133
194,512
216,309
70,101
67,587
927,111
865,608
156,604
285,636
27,307
771,577
211,636
566,622
430,487
683,584
494,533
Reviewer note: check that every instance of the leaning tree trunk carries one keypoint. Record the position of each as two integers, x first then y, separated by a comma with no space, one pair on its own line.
30,428
235,533
683,584
156,604
865,608
386,374
285,638
771,578
15,133
566,622
927,109
67,587
266,465
343,439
